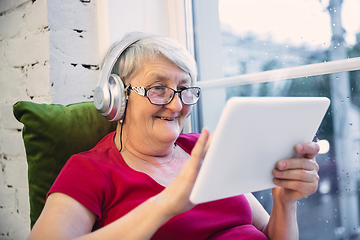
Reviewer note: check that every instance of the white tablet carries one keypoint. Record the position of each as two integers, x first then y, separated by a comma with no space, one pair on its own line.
254,133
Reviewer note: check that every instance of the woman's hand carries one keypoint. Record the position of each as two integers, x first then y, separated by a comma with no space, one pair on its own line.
297,177
175,197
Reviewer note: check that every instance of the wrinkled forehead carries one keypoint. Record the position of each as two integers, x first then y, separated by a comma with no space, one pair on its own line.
164,78
158,69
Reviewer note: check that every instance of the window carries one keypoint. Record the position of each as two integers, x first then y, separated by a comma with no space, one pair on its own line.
291,48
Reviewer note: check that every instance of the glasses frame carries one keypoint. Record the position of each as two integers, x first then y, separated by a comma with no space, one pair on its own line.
144,92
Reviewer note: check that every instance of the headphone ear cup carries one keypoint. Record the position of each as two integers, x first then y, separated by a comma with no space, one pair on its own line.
117,98
110,94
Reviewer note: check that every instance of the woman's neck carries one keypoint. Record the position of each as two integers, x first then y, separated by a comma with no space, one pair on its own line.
158,156
141,147
163,169
161,162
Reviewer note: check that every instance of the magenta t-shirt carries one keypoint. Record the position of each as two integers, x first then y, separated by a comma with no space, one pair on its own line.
101,181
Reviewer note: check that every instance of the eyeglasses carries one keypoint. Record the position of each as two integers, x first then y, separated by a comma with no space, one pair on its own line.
160,95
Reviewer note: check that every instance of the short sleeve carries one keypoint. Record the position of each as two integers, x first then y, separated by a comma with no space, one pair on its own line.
84,181
187,141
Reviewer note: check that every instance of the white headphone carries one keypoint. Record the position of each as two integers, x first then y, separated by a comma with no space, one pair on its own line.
110,93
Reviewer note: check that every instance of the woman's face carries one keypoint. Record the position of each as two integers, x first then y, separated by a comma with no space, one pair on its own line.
156,123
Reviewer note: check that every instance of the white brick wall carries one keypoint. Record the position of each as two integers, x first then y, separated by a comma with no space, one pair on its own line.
74,50
24,75
48,53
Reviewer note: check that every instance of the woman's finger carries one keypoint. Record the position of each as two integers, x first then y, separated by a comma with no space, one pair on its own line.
308,150
297,163
297,175
209,141
305,189
199,150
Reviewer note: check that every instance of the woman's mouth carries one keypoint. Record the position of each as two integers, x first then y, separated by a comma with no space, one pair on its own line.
166,118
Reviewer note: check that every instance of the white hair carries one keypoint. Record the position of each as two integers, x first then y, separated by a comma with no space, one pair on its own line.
133,58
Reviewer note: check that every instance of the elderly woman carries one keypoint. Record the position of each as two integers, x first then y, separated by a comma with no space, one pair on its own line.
136,182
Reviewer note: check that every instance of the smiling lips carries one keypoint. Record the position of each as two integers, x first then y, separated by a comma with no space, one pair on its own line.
166,118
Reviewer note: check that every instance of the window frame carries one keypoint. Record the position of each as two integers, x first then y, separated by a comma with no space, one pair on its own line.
211,81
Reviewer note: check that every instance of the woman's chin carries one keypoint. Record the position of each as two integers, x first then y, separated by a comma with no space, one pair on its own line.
170,136
168,131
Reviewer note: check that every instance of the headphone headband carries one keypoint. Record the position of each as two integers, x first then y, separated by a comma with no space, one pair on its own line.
110,86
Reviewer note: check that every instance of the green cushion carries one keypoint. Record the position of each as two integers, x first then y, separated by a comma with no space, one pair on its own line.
51,134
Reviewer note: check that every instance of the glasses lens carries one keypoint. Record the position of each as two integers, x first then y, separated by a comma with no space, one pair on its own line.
190,95
159,95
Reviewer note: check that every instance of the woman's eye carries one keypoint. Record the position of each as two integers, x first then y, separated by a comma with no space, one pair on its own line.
157,87
182,88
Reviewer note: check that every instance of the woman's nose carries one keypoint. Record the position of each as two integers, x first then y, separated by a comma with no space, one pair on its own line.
176,104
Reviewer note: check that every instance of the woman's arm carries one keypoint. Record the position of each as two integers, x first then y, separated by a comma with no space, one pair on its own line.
297,178
62,218
65,218
260,217
283,221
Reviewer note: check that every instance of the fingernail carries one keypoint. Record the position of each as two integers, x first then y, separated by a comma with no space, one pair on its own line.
317,146
276,181
300,147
